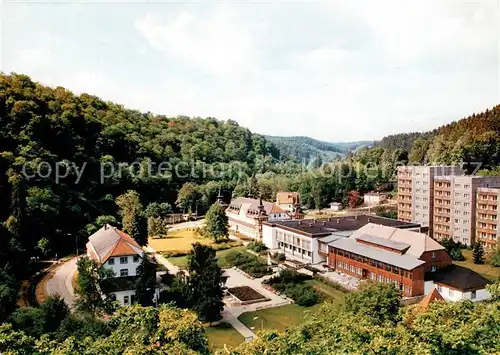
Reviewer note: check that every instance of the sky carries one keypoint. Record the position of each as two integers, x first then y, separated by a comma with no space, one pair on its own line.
331,70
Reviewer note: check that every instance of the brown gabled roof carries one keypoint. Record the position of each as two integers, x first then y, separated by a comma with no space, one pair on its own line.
432,296
277,209
111,242
287,197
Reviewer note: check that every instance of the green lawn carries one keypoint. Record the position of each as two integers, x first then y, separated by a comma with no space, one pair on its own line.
223,333
327,291
181,261
488,271
278,318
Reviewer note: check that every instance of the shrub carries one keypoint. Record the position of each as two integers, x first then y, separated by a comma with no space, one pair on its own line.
456,254
495,259
291,283
257,246
248,263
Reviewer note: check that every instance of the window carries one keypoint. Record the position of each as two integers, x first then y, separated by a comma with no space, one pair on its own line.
466,186
433,268
111,261
123,260
123,272
125,300
136,258
473,295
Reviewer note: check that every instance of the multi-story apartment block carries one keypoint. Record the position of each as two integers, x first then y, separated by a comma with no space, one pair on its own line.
487,216
455,206
415,192
446,202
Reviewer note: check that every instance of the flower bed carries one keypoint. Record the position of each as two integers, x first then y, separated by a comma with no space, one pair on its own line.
246,294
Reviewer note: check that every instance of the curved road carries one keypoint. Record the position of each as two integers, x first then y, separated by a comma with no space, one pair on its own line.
61,282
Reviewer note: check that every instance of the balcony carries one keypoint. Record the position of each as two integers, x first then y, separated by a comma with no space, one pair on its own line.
442,213
405,183
442,187
404,192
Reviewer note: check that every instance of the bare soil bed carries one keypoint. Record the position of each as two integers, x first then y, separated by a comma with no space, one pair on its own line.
246,293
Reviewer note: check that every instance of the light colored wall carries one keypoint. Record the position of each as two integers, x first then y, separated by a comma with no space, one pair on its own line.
306,245
120,296
269,236
131,266
287,206
455,295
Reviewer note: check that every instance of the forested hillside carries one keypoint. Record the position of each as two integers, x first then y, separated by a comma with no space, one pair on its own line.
42,128
306,149
475,139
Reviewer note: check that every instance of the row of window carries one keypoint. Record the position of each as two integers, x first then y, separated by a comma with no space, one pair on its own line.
350,268
124,260
292,248
492,217
487,207
374,263
451,293
491,236
491,198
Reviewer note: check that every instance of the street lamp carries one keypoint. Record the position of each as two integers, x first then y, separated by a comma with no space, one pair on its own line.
261,322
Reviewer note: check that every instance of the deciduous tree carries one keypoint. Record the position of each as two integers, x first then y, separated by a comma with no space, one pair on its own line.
216,222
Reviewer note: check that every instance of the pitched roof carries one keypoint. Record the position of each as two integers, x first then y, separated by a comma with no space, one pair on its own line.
326,226
419,242
287,197
110,241
407,262
434,295
458,277
250,206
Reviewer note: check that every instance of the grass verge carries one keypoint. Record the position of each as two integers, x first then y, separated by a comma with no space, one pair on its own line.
488,271
181,261
223,334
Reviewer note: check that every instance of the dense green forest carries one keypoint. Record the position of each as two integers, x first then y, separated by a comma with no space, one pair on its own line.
474,139
306,149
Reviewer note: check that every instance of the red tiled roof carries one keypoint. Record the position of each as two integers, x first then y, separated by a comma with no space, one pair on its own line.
287,197
432,296
111,242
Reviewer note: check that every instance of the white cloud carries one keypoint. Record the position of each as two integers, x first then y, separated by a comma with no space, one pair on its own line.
334,71
217,45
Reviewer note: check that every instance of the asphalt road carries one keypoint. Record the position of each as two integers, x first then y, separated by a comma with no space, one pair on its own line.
61,282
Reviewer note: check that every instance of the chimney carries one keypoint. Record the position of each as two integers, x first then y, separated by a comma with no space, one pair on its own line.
338,220
356,217
329,219
369,219
324,223
310,225
300,222
106,226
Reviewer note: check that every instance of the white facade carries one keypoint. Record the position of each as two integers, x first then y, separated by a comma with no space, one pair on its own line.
453,295
336,206
294,245
123,265
124,297
287,206
374,198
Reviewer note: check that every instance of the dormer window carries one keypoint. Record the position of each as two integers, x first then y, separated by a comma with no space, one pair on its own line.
136,258
111,261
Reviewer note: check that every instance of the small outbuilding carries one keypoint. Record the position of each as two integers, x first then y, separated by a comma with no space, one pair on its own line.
336,206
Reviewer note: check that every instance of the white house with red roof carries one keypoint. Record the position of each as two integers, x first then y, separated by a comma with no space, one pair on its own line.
117,251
